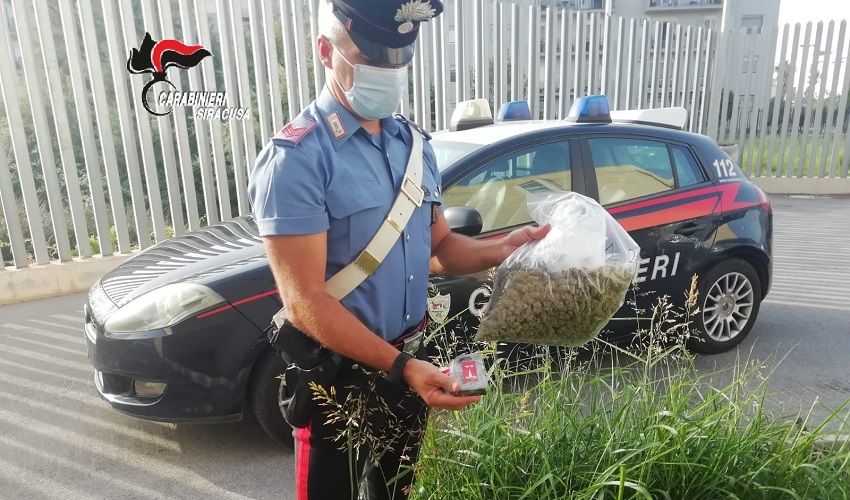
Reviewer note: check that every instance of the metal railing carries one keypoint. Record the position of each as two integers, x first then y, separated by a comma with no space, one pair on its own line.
86,170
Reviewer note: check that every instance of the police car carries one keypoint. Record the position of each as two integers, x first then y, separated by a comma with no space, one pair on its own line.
680,196
176,333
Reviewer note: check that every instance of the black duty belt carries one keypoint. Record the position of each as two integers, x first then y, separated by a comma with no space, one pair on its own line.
411,339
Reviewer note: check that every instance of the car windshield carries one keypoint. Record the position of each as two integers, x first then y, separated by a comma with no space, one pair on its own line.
449,152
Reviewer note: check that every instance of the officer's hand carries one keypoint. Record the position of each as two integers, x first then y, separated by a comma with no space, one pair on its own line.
429,382
521,236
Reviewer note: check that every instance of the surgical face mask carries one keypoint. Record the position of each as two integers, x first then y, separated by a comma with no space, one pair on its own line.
376,92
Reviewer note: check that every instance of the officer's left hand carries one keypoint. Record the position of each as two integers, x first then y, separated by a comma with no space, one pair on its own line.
521,236
431,384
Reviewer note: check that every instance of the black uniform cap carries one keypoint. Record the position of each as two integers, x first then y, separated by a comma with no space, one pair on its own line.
385,30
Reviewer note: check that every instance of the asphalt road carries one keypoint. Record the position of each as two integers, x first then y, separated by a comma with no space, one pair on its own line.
803,329
59,440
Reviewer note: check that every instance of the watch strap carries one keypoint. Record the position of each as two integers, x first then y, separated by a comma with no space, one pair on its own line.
395,374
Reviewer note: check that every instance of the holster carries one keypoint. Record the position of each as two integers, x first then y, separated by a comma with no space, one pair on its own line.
307,361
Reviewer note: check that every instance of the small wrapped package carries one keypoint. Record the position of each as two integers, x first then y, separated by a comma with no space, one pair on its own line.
563,289
469,370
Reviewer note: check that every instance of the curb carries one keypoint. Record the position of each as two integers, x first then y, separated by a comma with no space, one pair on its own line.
804,185
54,279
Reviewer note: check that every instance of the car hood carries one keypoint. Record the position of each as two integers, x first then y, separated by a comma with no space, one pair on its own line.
205,256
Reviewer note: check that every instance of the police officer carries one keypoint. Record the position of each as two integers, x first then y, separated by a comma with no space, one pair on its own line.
320,190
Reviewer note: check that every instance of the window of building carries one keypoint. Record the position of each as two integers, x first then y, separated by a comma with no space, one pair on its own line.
753,24
583,4
452,76
666,28
750,67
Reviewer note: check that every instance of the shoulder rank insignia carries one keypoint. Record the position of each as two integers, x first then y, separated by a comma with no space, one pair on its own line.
403,119
296,130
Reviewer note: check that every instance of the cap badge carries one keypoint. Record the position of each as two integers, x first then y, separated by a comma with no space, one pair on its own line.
413,11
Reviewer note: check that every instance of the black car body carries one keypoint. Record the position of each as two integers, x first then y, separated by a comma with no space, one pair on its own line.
691,210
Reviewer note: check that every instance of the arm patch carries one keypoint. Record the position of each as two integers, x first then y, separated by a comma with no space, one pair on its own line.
296,130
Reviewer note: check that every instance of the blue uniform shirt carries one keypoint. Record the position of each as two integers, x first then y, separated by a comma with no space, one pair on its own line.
324,172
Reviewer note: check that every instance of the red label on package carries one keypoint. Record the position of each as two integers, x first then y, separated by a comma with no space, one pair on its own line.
470,371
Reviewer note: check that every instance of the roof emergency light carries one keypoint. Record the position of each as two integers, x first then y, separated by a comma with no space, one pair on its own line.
590,109
471,114
675,117
514,110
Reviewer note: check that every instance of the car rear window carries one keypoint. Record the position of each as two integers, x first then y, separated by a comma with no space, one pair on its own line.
687,167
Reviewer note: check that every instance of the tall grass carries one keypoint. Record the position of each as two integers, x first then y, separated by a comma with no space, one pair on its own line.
651,427
776,159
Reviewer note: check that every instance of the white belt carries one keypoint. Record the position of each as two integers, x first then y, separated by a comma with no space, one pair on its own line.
408,200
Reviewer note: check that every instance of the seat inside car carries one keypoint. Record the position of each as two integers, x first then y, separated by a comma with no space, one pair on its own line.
609,173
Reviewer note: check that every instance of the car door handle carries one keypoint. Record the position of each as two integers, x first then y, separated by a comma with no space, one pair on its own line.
690,229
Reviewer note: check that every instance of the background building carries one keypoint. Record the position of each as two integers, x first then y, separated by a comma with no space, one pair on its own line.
746,16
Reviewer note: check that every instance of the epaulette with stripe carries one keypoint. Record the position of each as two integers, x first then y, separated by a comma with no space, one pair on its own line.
296,130
413,124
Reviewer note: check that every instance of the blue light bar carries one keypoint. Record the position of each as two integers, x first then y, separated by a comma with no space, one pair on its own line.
515,110
590,109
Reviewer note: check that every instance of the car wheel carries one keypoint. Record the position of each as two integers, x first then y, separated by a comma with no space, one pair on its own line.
267,388
729,297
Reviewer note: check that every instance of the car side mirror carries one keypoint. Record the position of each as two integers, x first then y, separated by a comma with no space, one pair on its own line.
464,220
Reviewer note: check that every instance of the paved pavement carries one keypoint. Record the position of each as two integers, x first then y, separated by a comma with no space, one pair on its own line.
59,440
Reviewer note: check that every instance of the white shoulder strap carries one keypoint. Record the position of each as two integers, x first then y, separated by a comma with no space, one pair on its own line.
409,198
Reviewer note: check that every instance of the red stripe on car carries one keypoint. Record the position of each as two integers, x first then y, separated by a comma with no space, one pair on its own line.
237,303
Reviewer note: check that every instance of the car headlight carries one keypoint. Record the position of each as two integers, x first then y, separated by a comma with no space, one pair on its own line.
162,308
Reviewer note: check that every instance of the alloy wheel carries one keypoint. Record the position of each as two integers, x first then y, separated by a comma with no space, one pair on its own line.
728,307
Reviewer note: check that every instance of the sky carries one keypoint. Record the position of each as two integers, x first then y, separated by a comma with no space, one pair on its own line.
803,11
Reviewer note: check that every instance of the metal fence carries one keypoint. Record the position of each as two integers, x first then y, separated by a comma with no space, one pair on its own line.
86,170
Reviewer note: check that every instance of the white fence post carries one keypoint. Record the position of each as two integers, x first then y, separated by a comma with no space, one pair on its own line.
825,163
43,136
62,130
9,86
810,157
188,199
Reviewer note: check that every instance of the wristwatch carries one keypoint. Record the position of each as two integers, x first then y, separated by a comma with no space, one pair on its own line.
395,374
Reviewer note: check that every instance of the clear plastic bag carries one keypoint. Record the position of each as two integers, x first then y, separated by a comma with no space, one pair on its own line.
563,289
